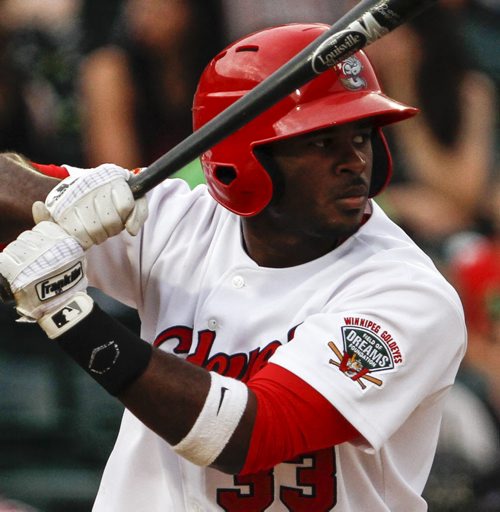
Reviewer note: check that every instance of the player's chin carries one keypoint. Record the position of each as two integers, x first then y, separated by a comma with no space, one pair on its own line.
338,227
345,222
350,210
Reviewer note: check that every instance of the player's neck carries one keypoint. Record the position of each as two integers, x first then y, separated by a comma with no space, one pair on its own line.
281,250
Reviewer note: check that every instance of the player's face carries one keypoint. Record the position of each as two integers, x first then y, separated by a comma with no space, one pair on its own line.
326,178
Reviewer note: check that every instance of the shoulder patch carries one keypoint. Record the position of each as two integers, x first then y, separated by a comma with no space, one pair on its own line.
366,349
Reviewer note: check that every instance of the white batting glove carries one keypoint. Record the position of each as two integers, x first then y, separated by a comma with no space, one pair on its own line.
94,206
45,268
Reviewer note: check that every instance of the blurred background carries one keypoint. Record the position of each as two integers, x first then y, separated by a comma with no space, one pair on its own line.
91,81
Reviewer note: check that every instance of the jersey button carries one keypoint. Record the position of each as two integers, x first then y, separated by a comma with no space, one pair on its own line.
238,282
212,324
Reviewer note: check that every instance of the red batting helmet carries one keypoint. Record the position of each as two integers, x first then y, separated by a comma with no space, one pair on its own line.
346,93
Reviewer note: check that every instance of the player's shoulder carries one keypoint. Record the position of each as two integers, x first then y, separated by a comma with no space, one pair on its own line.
391,278
176,192
391,259
181,207
383,240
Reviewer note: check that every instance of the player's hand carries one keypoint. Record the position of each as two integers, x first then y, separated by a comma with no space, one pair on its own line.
45,268
94,206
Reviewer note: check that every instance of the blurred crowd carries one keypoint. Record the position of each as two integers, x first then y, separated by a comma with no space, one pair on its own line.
91,81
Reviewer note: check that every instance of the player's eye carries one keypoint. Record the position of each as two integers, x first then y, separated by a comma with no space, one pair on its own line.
362,138
323,143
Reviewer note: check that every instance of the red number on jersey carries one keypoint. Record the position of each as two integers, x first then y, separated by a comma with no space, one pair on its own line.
259,497
316,487
316,483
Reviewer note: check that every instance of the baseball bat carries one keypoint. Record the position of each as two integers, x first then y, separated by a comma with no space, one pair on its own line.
364,24
368,21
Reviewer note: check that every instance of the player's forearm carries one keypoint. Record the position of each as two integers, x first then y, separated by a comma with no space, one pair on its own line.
20,186
169,396
207,418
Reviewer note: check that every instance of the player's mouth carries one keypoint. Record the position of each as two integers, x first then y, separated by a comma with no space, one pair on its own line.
352,203
354,198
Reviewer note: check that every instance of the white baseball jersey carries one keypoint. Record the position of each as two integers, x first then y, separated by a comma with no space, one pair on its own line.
372,326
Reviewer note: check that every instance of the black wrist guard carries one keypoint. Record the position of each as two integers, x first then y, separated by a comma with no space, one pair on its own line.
109,352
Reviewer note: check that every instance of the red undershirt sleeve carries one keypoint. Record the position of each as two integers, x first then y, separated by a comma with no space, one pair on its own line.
292,418
54,171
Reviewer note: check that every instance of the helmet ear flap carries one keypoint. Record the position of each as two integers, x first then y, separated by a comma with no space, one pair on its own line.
264,155
226,174
382,163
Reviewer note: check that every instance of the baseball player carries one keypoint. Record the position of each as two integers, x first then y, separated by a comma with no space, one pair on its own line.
296,345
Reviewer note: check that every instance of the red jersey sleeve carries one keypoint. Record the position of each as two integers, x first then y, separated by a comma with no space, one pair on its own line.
292,418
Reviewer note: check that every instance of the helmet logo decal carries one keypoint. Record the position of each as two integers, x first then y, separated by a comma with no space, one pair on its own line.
350,74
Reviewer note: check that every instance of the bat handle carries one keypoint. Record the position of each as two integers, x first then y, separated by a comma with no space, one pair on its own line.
6,295
136,186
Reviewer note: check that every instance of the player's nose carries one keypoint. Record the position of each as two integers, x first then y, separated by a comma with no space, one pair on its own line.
352,160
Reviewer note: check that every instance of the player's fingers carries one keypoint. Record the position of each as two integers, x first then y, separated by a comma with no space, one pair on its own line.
95,218
75,225
90,225
40,212
122,199
138,216
109,218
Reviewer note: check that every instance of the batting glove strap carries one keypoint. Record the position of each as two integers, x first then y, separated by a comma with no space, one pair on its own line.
109,352
67,315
